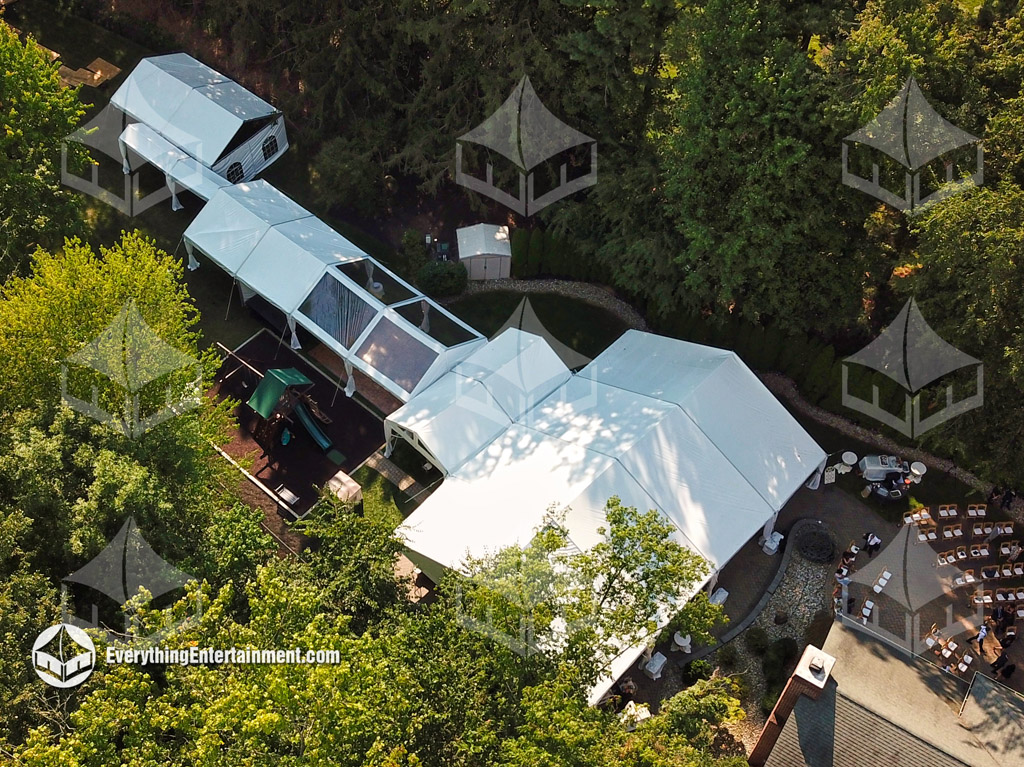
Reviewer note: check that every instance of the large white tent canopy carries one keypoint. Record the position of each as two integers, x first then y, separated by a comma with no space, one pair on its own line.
684,429
193,106
369,317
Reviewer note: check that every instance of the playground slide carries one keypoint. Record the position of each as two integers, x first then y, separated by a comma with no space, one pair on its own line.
315,432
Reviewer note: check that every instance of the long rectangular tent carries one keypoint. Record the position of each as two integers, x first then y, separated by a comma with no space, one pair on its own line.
684,429
364,313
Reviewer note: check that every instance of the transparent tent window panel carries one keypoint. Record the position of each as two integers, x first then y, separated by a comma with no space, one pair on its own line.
395,354
337,311
376,281
432,321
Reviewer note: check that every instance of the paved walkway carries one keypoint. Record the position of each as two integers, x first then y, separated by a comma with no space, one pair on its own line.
391,472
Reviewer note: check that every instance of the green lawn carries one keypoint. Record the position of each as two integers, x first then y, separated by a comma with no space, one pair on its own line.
381,499
586,328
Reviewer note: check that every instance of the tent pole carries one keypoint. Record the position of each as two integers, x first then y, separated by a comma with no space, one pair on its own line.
230,296
336,389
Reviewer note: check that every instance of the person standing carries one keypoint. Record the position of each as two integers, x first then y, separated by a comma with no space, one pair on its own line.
1008,497
980,637
873,543
994,495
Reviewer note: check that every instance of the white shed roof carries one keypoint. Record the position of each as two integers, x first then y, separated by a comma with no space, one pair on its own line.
483,239
195,107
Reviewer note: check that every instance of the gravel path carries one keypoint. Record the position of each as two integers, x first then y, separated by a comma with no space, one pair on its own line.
803,592
599,295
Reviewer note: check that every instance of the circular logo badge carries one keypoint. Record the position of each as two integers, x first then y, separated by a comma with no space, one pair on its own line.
63,655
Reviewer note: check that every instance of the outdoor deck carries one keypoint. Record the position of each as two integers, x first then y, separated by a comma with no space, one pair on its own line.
300,466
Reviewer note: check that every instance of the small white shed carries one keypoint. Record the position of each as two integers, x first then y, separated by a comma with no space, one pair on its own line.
486,251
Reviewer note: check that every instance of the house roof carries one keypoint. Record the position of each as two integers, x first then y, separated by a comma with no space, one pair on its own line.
887,707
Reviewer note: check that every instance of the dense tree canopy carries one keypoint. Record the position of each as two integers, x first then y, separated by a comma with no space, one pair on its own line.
36,114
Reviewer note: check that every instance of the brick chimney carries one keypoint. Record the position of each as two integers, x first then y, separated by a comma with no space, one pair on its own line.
810,677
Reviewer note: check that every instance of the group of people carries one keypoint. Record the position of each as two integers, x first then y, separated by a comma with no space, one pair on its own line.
1001,625
1005,498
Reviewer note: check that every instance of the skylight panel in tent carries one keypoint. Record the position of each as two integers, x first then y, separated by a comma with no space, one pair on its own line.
391,350
377,281
338,311
436,323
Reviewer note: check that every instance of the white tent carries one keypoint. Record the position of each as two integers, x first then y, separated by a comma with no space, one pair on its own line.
663,424
468,408
486,251
720,394
365,314
179,168
203,113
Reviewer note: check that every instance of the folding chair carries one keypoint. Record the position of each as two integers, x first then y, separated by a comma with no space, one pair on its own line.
1007,528
1006,571
922,535
947,532
908,518
1010,632
1020,593
947,558
865,612
1018,569
961,552
882,581
924,514
984,549
948,510
967,576
1001,595
1006,547
978,530
989,573
987,528
984,598
977,510
976,552
958,531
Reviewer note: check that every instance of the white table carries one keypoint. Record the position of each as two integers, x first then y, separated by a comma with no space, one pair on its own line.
655,665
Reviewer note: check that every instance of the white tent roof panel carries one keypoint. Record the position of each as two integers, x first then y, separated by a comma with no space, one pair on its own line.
161,153
196,107
721,394
455,415
518,368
